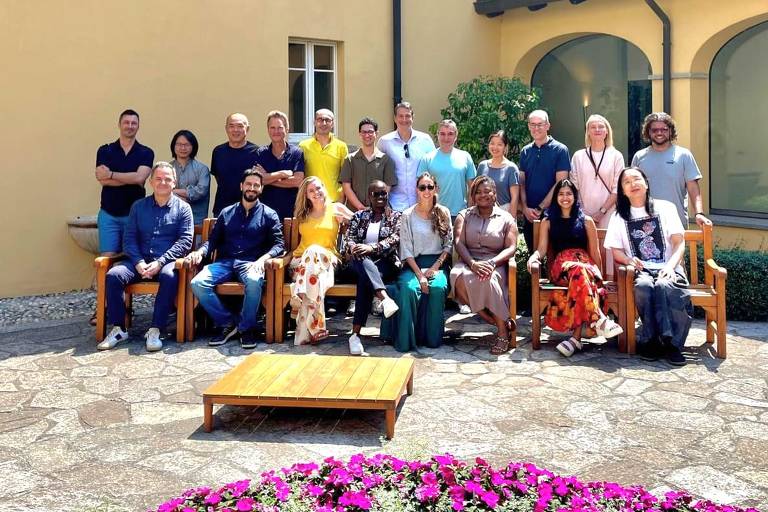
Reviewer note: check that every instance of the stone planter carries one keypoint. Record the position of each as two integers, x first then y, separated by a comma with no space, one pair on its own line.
84,232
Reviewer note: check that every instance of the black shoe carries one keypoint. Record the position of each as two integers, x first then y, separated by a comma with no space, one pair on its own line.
223,335
649,351
675,357
249,339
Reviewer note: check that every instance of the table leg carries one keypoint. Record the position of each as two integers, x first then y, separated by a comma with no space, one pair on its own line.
389,416
207,415
409,386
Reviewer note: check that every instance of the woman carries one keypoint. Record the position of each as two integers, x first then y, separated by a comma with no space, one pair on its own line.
595,170
576,264
648,234
372,242
193,178
485,238
425,244
312,266
502,171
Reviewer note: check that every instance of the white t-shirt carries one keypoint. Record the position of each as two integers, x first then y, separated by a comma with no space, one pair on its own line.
372,235
646,237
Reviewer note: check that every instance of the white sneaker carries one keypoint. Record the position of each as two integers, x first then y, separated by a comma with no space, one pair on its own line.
115,336
465,310
153,340
569,346
607,328
378,307
389,307
355,345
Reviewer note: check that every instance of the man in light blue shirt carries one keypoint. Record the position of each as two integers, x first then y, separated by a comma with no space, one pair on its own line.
405,147
453,168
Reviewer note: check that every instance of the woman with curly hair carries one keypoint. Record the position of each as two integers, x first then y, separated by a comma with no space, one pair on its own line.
314,260
425,243
576,265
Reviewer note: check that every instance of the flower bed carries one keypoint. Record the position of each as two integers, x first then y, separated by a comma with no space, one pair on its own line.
385,483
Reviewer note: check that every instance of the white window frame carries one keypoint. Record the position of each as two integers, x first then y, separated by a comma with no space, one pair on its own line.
309,84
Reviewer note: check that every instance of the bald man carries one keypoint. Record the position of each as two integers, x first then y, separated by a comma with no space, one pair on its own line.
230,160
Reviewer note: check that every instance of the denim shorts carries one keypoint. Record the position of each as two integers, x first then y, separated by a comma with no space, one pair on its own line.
110,232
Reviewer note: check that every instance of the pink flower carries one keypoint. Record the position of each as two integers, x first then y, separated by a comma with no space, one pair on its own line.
490,498
427,492
429,478
355,499
245,504
212,499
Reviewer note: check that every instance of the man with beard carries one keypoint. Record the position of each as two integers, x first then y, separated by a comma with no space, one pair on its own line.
671,169
157,233
245,236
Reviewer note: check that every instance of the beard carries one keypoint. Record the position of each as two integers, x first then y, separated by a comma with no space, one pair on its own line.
250,196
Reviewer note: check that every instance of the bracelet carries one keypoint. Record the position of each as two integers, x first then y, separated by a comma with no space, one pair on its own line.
111,173
700,213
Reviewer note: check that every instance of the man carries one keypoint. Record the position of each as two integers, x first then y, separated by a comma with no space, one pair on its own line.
453,168
671,169
230,160
406,147
543,163
281,166
246,234
365,166
158,232
122,168
324,154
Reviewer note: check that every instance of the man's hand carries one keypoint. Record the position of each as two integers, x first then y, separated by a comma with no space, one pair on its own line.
195,257
258,266
103,173
151,270
141,268
531,214
702,220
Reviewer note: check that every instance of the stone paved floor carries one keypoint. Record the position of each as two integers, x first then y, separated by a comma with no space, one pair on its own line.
121,430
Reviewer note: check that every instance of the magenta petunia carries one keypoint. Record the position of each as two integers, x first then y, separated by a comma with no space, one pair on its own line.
245,504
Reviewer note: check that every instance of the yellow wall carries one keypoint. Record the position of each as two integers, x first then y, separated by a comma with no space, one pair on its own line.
699,29
69,68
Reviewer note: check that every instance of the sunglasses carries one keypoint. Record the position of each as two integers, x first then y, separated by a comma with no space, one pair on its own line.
379,193
422,188
407,153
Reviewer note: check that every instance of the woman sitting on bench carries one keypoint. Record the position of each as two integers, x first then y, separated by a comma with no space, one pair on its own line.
314,260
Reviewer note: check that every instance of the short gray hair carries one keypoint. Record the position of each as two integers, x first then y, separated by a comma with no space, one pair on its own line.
540,114
163,165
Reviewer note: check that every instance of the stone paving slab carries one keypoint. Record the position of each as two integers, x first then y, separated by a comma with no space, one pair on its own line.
122,430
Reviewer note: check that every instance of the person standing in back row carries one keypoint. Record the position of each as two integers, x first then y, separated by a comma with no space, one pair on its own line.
230,160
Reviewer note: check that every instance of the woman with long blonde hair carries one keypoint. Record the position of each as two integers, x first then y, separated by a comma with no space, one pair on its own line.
426,238
315,259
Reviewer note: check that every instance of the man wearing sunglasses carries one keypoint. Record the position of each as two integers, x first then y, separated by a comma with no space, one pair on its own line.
671,169
364,166
406,147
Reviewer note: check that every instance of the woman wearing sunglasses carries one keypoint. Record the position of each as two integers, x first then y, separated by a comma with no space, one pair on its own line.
372,241
425,243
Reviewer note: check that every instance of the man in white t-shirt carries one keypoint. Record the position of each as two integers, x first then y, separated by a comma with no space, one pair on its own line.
648,234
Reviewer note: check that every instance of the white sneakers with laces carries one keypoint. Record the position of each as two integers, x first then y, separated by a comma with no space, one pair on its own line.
153,340
115,336
355,345
389,307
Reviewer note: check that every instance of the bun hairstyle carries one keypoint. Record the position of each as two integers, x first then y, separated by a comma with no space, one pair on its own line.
441,221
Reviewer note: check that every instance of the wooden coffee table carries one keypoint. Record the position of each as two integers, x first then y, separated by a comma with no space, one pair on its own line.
336,382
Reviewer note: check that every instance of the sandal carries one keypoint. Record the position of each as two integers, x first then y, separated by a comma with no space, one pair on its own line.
318,337
569,346
501,346
607,328
511,330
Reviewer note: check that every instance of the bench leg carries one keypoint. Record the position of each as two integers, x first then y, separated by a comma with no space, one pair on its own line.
389,417
207,415
409,385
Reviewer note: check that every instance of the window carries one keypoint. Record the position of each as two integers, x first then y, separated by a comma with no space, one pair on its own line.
738,152
311,83
599,74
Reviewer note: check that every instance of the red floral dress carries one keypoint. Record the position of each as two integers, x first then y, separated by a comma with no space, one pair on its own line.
580,303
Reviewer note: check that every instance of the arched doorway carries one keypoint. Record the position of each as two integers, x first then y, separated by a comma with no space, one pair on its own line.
596,74
738,110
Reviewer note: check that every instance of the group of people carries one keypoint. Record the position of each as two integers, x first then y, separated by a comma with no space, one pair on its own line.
413,223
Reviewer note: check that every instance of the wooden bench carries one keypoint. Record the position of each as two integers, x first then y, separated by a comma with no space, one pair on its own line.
335,382
709,295
280,282
233,288
542,290
103,264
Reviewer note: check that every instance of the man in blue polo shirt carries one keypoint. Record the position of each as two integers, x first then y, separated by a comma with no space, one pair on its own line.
230,160
281,166
158,232
543,163
245,236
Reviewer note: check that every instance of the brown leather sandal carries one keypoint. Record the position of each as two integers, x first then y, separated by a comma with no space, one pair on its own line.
501,346
318,337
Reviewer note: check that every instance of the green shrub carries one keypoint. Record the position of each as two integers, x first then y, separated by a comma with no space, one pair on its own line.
488,104
746,293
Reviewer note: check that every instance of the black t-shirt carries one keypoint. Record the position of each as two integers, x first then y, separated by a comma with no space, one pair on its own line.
117,201
228,165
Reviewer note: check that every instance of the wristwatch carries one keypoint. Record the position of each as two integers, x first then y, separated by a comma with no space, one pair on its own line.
603,210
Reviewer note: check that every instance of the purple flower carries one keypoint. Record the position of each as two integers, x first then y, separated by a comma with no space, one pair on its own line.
427,492
212,499
245,504
490,498
355,499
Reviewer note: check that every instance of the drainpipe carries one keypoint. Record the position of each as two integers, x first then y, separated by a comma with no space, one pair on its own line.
397,49
667,54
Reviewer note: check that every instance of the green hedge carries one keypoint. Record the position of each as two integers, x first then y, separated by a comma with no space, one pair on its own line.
523,277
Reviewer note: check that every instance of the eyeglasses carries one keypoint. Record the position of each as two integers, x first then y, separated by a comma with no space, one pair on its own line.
537,126
367,132
407,153
379,193
422,188
182,145
659,130
324,120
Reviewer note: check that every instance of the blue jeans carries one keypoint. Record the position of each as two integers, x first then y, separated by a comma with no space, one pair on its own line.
110,232
123,274
204,287
664,307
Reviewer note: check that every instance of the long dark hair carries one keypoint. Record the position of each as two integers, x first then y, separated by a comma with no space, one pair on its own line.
192,140
560,227
441,222
622,201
